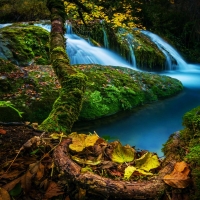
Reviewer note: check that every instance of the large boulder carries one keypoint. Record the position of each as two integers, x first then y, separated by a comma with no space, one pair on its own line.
33,90
24,44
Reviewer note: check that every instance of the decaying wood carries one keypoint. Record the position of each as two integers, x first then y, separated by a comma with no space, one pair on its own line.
150,189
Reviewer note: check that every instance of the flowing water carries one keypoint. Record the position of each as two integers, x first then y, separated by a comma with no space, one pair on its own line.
149,127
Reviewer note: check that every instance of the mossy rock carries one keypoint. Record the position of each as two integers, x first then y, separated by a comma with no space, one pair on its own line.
24,44
109,90
184,145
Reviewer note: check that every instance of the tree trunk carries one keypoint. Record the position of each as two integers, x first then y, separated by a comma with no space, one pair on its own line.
67,107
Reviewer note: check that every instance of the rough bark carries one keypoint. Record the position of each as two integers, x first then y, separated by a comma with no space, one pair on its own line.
108,188
67,107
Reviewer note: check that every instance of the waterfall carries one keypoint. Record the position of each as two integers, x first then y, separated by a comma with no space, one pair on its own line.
105,38
170,53
133,59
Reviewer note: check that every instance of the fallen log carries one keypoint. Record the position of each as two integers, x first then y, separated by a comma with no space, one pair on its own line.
106,187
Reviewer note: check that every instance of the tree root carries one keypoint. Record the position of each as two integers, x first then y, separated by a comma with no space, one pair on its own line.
93,183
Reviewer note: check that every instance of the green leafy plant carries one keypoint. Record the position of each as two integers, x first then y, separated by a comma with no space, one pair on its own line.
9,104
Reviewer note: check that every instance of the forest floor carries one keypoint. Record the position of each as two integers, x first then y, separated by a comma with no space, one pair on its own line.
26,167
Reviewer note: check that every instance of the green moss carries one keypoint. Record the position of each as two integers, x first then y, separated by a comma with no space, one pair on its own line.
108,90
25,44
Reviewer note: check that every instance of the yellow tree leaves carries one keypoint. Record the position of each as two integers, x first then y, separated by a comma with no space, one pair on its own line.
179,177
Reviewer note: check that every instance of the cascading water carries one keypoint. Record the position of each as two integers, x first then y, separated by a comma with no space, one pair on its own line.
81,52
173,59
129,39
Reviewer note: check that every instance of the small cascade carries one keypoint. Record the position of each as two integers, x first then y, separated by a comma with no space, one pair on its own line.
44,26
129,40
133,59
173,59
105,38
4,25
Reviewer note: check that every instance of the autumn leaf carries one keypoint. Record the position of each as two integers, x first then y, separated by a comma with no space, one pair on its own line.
26,181
38,169
147,162
4,194
86,169
81,141
12,184
128,172
56,136
179,176
52,190
87,162
2,131
122,154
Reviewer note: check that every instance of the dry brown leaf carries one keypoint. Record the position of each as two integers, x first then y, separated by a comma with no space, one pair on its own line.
12,174
26,181
179,177
4,195
53,190
38,169
40,172
12,184
44,183
2,131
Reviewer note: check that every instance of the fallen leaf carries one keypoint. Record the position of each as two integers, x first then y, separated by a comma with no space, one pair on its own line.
87,162
4,195
38,169
147,162
179,176
2,131
81,141
122,154
11,175
12,184
26,181
53,190
128,172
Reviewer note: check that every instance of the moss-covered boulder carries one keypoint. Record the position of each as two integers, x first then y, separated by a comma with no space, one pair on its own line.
34,89
24,44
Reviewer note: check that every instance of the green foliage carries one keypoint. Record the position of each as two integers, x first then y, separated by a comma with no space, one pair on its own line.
193,155
192,119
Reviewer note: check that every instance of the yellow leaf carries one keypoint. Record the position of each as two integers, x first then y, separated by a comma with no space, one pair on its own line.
56,136
179,177
122,154
144,172
147,162
128,172
81,141
84,161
